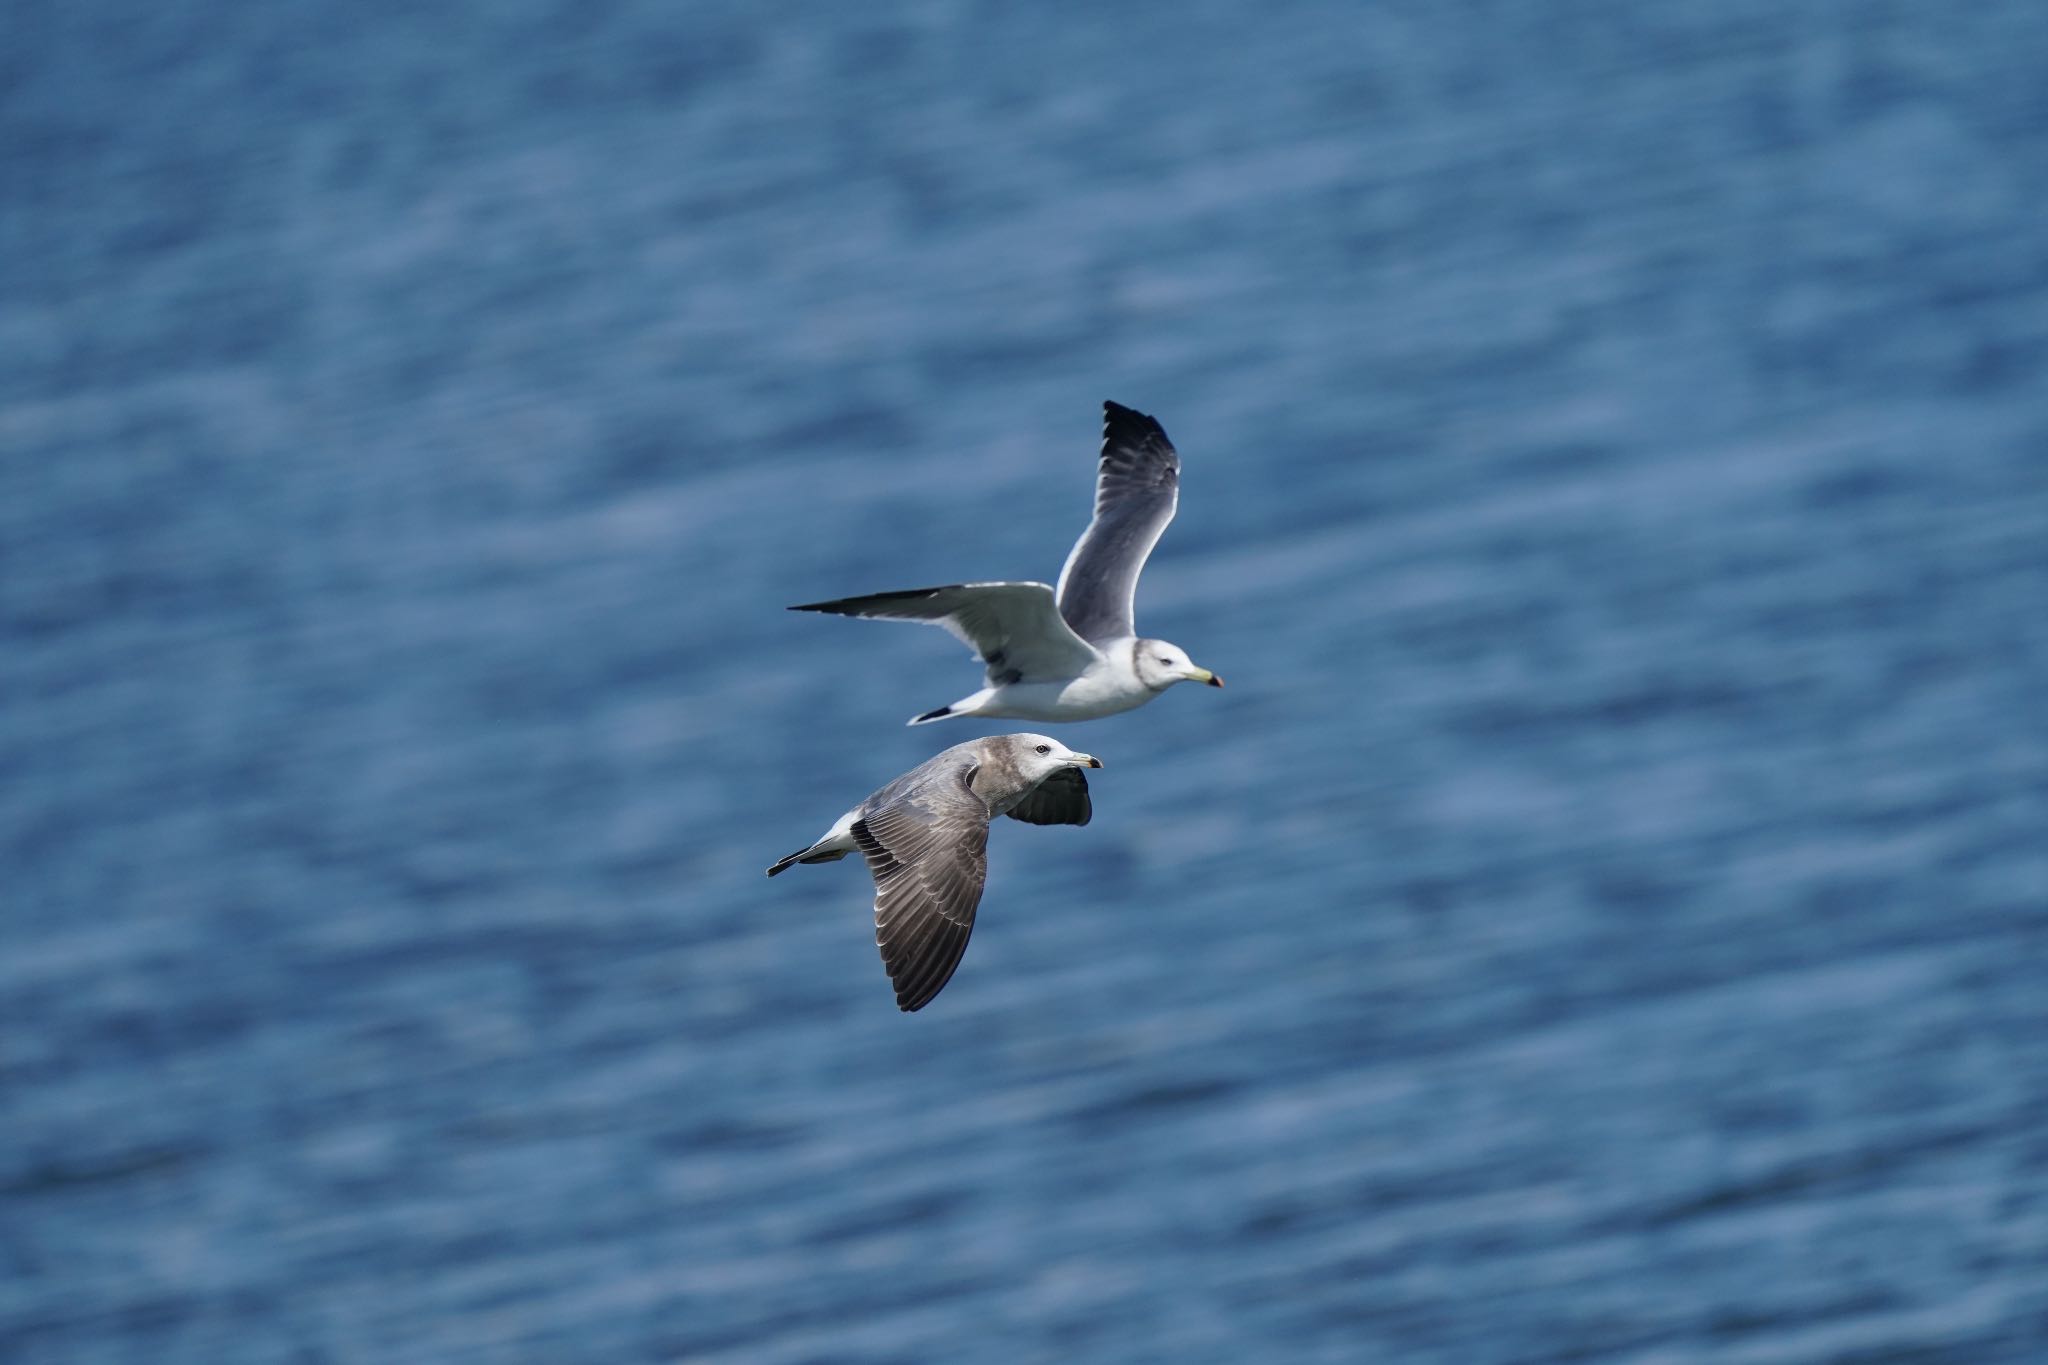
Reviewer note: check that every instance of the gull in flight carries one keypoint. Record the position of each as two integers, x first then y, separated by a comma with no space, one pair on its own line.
925,838
1071,652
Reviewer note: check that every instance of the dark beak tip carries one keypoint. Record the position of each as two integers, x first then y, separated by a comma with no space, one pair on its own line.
1094,762
1215,681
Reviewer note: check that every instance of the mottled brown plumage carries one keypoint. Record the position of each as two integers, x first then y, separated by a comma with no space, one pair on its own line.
925,839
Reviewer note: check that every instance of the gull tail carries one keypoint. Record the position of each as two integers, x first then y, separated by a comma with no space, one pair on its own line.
808,855
976,705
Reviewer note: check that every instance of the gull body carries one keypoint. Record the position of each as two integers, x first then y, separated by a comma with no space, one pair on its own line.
1071,652
925,837
1127,673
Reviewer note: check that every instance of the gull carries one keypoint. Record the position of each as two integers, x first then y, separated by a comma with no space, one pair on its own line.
1071,652
925,838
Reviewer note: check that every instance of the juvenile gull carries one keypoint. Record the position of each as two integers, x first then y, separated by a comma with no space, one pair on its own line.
925,837
1072,652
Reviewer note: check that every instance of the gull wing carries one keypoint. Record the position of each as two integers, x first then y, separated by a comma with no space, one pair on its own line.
1014,628
927,850
1137,488
1061,799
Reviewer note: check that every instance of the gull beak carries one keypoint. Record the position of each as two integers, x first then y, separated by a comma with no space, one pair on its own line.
1086,761
1203,675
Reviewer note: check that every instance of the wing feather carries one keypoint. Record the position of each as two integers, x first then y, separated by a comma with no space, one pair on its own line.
1061,799
1137,489
1015,629
927,852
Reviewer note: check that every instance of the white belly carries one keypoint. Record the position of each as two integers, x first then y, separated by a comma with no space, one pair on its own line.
1100,691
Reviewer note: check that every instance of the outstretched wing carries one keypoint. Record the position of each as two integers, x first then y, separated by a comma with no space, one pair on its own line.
1136,490
1061,799
927,851
1014,628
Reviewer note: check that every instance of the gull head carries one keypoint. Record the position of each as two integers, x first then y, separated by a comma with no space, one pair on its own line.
1161,665
1040,756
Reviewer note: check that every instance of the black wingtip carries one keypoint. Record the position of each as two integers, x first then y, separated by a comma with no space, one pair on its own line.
1122,425
853,606
939,714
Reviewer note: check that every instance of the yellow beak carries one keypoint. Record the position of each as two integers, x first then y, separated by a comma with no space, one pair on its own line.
1203,675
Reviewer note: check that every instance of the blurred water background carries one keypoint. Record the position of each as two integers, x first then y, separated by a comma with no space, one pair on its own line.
1603,920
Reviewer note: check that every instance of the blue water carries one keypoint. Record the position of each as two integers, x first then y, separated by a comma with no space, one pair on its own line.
1603,920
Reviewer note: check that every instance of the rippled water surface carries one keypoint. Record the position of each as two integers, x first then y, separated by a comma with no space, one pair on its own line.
1603,919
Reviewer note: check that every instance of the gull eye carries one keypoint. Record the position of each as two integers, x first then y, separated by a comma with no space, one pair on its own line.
1045,748
1163,659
